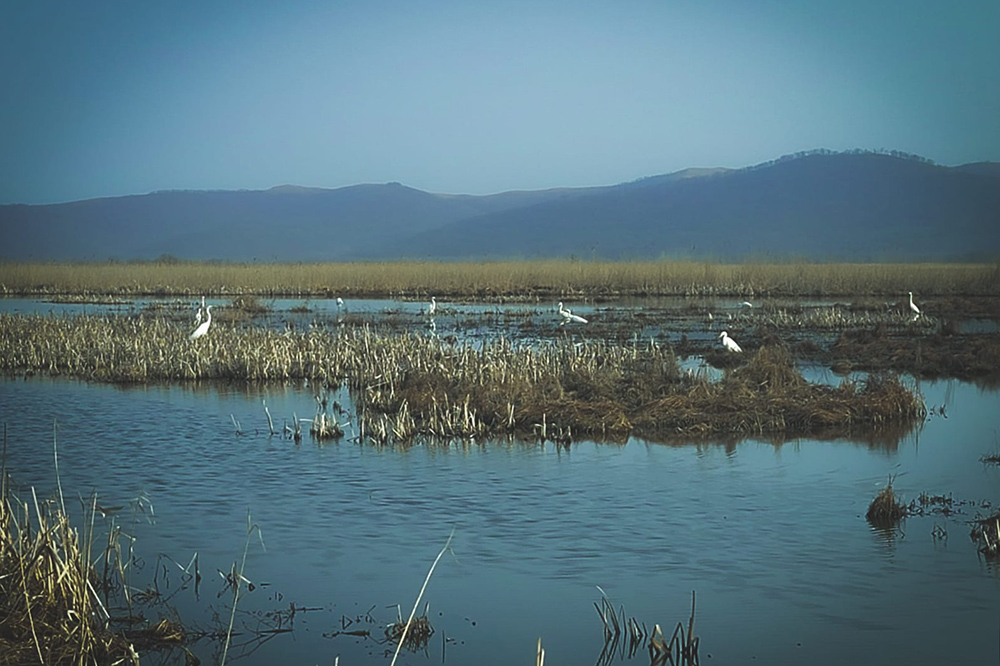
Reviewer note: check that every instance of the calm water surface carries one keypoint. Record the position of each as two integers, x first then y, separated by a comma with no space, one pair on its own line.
772,537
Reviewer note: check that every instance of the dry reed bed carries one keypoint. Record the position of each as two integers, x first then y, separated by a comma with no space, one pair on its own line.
406,384
528,280
49,609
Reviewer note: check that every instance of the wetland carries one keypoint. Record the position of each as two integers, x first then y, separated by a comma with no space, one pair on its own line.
623,463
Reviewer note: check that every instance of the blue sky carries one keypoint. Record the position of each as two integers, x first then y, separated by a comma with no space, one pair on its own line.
112,98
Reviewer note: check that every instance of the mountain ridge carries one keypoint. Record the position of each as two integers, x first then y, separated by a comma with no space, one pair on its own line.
816,204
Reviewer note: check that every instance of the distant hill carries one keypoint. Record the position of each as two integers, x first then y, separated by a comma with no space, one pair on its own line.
821,206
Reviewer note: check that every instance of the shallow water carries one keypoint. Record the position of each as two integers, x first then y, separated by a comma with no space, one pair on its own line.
772,537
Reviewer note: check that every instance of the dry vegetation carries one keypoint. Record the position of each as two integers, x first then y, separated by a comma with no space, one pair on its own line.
885,510
48,611
51,591
407,384
527,280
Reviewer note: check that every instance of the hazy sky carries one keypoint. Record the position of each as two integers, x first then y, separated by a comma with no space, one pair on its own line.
108,98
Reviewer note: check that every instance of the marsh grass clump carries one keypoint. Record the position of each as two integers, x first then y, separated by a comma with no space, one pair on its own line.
49,609
406,384
885,510
416,637
935,355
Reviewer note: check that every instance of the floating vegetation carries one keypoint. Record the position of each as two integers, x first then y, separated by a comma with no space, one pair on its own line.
986,533
990,458
416,638
885,511
932,505
406,385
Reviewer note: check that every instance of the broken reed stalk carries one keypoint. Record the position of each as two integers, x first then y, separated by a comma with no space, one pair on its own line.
270,423
237,577
420,596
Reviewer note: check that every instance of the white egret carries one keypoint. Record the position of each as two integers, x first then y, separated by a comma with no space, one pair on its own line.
746,304
568,316
729,343
340,303
203,327
913,307
432,307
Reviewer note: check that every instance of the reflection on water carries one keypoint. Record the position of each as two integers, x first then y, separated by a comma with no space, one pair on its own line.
772,536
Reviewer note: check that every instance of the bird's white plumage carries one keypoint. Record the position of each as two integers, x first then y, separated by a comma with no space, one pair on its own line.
203,327
568,315
913,306
432,307
729,343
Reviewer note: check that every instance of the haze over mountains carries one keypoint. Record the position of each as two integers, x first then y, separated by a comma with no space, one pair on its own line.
817,205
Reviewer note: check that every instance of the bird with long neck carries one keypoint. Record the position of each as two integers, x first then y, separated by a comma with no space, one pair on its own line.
913,307
568,316
203,327
729,343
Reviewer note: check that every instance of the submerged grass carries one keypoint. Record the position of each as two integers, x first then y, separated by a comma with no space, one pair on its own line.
513,280
986,533
408,384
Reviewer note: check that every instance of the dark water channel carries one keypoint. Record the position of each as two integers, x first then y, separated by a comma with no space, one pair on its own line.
772,537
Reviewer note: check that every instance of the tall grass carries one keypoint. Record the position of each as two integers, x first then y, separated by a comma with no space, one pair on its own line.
406,385
50,611
489,280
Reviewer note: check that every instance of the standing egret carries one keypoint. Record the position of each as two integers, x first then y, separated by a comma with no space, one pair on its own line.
203,327
432,307
340,303
729,343
913,307
568,316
